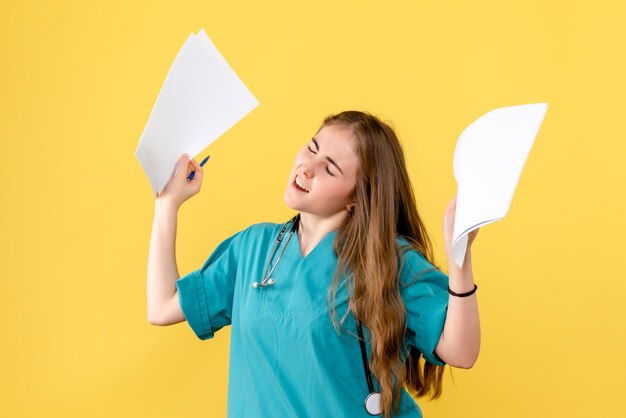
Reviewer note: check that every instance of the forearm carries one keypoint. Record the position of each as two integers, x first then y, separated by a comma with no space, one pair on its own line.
162,269
460,340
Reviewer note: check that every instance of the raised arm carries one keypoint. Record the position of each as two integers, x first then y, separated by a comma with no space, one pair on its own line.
459,343
162,297
163,306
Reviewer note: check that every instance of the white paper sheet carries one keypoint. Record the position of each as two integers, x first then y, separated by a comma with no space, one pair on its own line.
488,161
201,98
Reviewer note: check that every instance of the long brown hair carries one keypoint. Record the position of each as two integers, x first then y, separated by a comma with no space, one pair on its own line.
366,249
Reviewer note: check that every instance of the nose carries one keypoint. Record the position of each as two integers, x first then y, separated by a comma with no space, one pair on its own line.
307,170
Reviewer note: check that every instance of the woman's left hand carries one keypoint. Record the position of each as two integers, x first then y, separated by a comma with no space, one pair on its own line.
448,226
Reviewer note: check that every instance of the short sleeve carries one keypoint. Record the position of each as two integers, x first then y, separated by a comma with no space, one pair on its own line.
424,290
206,295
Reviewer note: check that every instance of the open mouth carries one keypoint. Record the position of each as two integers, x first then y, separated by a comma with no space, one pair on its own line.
299,186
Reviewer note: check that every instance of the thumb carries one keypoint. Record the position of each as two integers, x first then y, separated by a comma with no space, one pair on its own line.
183,162
198,171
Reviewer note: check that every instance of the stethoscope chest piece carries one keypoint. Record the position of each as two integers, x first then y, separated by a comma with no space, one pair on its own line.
372,403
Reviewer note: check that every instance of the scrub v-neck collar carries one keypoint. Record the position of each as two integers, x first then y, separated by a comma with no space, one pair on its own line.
322,243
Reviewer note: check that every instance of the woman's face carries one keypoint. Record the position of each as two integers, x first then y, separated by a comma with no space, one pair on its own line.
326,168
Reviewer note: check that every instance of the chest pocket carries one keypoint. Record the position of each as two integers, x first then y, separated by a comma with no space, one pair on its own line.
299,289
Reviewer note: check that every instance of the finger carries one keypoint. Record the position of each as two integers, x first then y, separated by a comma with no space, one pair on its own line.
197,169
183,160
195,165
197,177
190,167
183,165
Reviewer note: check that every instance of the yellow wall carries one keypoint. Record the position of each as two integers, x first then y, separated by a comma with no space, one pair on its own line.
78,82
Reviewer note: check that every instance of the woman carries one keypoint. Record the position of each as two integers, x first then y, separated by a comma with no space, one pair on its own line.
356,260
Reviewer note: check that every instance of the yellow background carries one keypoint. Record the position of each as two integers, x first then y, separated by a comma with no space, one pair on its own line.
78,81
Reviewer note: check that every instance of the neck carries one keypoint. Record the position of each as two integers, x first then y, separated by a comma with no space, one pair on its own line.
313,228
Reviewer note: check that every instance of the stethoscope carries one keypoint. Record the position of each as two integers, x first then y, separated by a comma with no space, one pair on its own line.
372,401
267,277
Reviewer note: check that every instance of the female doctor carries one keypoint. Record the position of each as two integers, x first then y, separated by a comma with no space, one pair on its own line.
338,312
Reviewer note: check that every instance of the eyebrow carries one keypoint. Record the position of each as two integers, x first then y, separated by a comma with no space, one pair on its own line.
330,160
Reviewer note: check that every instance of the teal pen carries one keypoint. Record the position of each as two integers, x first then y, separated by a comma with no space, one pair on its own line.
201,165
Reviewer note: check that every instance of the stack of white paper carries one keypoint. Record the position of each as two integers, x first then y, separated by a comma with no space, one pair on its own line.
488,161
201,98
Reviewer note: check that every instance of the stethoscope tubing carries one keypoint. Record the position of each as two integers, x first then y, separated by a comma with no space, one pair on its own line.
267,277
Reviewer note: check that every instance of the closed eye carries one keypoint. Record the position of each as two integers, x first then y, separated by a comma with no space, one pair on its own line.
327,170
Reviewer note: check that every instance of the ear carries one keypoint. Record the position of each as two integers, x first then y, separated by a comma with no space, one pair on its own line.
350,207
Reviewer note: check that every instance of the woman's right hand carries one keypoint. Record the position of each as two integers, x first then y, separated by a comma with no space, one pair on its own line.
179,189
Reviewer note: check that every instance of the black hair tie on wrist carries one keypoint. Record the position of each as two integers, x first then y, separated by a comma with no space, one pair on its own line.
471,292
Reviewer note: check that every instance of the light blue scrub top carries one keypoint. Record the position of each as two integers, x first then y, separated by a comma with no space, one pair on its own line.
286,360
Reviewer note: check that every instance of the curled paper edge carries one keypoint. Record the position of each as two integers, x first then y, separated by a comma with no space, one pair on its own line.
459,245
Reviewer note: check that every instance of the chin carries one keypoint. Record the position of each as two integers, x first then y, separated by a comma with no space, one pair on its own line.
289,201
